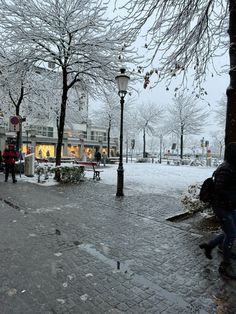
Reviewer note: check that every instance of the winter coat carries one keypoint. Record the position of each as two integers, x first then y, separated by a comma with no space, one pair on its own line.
10,156
98,156
225,181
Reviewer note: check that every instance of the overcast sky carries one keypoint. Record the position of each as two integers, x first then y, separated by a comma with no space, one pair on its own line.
215,86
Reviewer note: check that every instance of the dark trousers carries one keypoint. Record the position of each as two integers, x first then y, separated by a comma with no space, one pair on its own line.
227,219
8,169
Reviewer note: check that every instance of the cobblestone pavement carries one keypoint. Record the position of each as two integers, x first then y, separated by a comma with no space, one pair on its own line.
79,249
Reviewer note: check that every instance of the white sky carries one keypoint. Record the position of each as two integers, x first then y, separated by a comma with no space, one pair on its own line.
215,86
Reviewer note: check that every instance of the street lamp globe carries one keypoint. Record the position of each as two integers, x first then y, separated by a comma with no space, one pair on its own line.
122,80
122,83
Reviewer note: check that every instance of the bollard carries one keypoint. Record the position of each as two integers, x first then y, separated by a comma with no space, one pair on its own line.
118,265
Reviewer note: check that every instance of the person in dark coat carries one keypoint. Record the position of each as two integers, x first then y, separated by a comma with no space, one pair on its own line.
9,157
224,207
1,165
98,157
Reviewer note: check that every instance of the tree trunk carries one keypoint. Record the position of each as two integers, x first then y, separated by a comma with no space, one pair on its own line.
62,119
181,142
19,134
161,139
144,143
230,128
108,139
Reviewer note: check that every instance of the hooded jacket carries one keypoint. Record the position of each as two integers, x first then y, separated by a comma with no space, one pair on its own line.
225,180
10,156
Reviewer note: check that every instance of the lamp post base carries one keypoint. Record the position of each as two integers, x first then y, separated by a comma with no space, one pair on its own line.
120,181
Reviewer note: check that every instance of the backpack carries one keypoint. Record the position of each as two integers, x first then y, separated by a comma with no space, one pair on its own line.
207,190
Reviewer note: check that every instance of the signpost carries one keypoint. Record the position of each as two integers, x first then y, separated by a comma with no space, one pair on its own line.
14,123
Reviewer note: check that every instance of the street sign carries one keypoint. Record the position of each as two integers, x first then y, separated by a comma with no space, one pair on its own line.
14,123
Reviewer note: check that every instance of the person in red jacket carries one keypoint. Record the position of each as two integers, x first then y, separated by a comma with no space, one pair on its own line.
9,158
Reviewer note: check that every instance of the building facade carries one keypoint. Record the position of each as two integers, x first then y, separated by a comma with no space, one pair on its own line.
80,144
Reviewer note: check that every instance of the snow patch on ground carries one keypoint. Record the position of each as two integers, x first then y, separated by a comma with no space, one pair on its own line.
145,177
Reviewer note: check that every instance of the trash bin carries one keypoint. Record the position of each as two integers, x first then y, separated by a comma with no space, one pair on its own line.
29,165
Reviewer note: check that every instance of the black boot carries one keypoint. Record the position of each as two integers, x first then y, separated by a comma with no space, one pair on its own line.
207,250
226,270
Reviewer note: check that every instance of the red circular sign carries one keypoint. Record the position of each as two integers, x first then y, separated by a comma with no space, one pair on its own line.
15,120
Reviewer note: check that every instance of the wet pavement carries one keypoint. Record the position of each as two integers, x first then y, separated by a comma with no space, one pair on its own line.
79,249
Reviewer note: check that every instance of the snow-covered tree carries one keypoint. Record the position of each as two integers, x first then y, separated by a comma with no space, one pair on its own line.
220,112
146,119
186,35
75,37
185,117
108,114
18,83
220,117
160,132
218,143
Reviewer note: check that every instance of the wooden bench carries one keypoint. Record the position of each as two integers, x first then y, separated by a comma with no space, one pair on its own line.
113,160
96,172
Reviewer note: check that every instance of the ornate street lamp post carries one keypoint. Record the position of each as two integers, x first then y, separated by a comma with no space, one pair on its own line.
1,118
122,82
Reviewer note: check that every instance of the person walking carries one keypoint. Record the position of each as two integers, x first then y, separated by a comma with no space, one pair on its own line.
224,207
104,158
1,159
10,155
98,157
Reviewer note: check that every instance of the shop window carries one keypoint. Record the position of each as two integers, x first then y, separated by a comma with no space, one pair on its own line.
44,131
50,132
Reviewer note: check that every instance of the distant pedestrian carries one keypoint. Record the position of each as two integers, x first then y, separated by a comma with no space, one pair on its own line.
208,158
10,155
104,158
98,157
224,207
1,160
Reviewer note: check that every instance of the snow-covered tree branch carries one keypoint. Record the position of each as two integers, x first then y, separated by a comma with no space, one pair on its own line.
187,35
74,36
185,117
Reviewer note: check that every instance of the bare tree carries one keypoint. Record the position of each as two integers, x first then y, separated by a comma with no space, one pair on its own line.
146,119
108,114
218,142
220,111
18,82
185,117
188,34
159,133
75,37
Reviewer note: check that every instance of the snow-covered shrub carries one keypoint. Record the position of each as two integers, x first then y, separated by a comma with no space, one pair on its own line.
69,174
191,199
43,170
